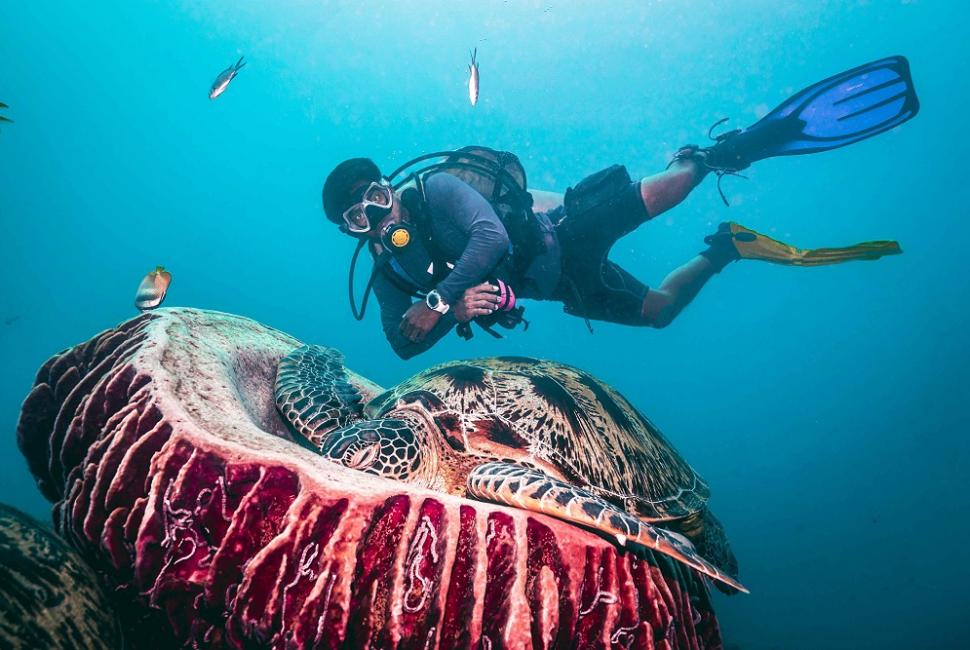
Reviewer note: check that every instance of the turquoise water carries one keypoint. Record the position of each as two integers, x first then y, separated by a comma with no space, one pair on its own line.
826,407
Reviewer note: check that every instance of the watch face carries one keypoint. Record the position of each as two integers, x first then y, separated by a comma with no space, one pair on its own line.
433,301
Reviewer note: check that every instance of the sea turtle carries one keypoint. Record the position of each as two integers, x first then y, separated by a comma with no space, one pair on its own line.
527,433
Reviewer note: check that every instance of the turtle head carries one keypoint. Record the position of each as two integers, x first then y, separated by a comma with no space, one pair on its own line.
387,448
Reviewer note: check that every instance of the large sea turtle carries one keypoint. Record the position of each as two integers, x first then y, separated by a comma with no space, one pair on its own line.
532,434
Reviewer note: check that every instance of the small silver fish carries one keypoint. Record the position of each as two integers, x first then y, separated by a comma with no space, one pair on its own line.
222,81
151,292
2,118
473,78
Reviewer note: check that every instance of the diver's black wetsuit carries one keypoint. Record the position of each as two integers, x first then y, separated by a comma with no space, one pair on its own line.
592,286
573,269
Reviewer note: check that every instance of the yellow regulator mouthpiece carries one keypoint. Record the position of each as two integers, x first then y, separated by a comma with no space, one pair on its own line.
400,238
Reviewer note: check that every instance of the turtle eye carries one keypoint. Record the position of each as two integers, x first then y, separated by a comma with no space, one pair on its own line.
363,457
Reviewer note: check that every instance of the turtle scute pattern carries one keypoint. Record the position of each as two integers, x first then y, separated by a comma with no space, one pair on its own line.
533,434
560,416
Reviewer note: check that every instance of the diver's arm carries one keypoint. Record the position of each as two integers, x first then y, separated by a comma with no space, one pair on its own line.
394,303
488,242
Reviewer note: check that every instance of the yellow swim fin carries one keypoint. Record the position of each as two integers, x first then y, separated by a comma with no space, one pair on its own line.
753,245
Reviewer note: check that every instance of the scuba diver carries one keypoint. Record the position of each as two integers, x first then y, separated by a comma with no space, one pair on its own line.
461,240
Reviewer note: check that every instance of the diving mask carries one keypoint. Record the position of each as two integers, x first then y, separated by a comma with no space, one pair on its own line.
375,204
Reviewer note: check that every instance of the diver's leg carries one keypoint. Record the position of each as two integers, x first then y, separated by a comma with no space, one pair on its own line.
596,288
663,191
661,305
678,289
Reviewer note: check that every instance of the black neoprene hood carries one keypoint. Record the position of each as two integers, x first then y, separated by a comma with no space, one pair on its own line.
337,188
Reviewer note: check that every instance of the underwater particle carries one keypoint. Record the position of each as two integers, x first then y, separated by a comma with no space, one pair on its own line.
4,118
151,292
473,78
222,81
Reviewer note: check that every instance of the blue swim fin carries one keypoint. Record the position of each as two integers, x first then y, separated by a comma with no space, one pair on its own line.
841,110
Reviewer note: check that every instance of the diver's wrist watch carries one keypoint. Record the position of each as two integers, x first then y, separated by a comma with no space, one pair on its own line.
434,301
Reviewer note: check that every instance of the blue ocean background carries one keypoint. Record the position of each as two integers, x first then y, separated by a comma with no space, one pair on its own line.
827,408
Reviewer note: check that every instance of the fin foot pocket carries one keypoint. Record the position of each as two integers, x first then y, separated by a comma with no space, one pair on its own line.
838,111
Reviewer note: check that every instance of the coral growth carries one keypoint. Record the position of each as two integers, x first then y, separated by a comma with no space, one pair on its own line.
174,476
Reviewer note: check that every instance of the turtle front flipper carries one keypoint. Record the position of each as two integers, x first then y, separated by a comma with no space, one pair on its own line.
314,393
532,490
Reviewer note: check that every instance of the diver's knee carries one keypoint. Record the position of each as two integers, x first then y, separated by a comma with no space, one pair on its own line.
661,320
656,310
657,320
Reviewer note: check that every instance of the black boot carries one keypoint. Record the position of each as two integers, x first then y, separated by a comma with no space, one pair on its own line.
731,153
721,250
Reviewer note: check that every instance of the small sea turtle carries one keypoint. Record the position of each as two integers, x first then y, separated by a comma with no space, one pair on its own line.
531,434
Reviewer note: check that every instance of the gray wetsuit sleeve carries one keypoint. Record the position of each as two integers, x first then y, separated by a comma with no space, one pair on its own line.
393,303
473,217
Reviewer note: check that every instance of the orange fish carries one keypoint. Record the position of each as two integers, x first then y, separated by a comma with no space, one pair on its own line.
473,79
152,290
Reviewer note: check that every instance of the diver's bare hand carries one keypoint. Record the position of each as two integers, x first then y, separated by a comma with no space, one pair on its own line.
418,321
480,300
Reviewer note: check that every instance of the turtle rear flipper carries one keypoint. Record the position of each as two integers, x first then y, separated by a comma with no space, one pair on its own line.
314,393
704,530
537,492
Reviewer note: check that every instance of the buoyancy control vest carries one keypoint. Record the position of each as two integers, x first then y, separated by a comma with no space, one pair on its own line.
498,176
412,261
